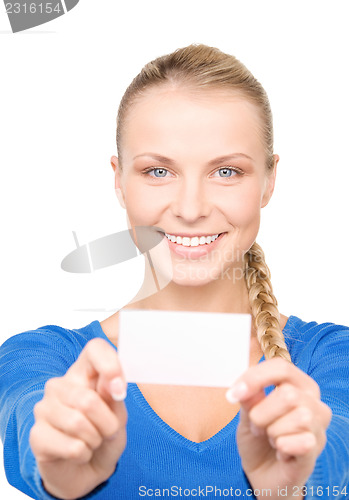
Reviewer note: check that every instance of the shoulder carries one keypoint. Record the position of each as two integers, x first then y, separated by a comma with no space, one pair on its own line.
309,341
301,329
48,338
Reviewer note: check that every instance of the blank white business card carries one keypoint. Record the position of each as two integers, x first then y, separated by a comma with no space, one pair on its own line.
183,347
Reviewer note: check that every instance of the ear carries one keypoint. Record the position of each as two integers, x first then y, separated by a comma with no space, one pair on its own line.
114,161
270,183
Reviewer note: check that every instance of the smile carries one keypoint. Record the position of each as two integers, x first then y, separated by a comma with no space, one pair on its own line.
191,242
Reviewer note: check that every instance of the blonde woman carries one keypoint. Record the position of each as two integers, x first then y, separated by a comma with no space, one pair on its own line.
195,158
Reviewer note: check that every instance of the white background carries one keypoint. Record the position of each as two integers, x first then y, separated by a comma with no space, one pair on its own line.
59,91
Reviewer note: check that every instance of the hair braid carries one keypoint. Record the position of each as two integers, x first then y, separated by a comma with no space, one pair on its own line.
264,305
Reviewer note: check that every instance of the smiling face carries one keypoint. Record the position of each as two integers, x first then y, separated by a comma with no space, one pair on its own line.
194,164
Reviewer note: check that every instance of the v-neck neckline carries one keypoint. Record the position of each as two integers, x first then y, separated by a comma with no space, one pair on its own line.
139,399
145,407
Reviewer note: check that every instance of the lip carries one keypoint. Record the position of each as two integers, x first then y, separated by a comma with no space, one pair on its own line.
191,235
194,252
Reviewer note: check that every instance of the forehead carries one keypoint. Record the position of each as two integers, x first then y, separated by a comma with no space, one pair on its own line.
177,121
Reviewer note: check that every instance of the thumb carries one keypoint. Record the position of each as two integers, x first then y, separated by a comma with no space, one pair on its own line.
116,388
247,399
248,404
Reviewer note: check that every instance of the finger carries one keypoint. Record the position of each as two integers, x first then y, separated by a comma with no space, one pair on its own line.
297,445
69,421
280,401
245,406
271,372
107,419
285,399
97,366
297,421
50,444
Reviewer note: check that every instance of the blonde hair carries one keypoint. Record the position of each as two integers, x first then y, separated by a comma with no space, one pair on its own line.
200,67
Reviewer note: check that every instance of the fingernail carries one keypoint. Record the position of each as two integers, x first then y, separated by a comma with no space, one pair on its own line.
235,393
118,389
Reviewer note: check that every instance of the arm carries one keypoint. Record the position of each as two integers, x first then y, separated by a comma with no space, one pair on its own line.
27,361
62,428
300,431
329,367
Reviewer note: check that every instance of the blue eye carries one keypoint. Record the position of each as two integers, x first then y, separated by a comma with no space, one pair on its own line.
227,172
162,172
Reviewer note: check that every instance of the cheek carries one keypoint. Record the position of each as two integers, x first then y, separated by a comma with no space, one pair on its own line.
242,206
243,214
141,206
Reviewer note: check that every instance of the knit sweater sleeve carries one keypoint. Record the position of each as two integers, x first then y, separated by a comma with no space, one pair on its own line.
27,361
327,363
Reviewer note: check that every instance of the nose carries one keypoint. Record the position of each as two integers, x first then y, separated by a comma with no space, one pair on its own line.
191,201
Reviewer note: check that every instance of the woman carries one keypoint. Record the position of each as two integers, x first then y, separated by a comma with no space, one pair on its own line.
195,158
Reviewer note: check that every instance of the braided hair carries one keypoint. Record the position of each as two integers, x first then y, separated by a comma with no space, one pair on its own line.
263,303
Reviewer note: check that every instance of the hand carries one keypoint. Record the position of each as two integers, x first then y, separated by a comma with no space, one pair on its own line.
80,424
280,435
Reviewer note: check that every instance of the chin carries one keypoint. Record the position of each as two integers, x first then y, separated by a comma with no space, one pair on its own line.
191,282
194,276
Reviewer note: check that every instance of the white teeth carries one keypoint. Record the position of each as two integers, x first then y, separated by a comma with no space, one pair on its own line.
191,242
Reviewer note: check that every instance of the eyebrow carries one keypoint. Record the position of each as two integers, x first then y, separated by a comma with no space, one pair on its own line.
215,161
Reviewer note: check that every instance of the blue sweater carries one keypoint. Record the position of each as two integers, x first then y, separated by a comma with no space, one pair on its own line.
157,460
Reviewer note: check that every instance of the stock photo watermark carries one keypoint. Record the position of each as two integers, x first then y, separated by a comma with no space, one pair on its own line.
28,14
120,247
214,491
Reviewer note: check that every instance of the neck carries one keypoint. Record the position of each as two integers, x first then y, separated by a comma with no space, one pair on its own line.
220,295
